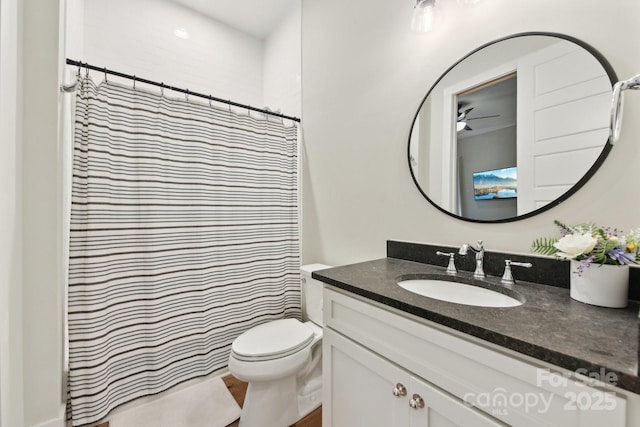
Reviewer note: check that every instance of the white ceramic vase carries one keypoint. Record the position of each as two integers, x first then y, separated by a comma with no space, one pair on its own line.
601,285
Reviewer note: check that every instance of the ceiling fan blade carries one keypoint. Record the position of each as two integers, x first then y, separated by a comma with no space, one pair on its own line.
467,128
462,115
483,117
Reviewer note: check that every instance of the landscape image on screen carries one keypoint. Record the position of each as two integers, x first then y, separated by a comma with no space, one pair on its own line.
495,184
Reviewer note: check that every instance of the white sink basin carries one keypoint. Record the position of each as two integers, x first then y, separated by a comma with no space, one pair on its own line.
458,292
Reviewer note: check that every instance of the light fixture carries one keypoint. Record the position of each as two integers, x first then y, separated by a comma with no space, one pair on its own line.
460,126
181,33
422,19
424,13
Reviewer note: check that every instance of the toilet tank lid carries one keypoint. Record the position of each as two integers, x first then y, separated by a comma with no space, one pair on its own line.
310,268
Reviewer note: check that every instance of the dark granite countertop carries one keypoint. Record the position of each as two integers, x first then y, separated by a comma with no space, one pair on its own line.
548,326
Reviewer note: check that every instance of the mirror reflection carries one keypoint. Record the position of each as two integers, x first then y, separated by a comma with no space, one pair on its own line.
513,128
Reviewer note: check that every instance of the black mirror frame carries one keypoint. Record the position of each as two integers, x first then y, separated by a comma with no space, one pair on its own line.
592,170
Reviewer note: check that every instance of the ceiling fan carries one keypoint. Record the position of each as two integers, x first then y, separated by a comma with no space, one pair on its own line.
462,122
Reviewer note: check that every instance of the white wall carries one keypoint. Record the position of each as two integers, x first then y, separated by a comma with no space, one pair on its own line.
136,37
30,281
11,390
41,283
364,76
282,65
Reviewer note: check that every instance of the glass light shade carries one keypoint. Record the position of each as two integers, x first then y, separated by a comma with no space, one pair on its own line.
460,126
422,19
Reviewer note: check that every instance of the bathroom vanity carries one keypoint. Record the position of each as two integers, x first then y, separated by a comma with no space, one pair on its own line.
394,358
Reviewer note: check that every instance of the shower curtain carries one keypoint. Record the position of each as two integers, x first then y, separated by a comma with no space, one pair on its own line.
184,233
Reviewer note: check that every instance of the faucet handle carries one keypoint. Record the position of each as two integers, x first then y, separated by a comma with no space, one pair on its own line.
507,277
451,268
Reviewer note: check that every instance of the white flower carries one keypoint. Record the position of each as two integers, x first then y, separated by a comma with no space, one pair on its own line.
573,245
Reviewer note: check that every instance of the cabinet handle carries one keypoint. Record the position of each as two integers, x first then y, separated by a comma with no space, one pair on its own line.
416,402
399,390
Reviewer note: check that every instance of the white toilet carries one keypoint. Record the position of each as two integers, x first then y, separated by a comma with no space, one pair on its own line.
282,362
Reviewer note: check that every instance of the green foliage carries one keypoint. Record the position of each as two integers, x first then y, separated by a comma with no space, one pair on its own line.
590,243
563,226
599,254
544,246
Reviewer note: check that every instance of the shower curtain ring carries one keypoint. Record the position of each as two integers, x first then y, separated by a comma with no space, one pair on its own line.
229,104
210,99
105,74
186,95
134,82
161,88
86,70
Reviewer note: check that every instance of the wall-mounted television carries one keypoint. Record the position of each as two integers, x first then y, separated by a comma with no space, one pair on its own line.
495,184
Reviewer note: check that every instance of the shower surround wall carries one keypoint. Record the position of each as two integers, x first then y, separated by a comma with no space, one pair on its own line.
136,37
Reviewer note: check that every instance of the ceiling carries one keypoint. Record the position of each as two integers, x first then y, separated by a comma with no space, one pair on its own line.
255,17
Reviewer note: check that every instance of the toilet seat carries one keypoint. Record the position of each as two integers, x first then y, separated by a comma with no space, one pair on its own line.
272,340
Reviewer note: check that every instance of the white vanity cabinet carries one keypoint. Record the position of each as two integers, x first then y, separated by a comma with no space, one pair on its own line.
368,390
375,359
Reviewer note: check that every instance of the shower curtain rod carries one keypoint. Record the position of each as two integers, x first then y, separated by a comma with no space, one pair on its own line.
176,89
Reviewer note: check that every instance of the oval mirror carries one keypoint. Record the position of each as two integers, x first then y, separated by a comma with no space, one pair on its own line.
513,128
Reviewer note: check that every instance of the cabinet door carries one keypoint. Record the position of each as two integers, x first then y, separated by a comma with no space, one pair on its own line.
431,407
358,389
515,391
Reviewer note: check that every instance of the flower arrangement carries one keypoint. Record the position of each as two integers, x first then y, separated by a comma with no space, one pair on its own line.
589,244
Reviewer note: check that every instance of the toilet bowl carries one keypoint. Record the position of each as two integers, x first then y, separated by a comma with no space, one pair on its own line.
282,362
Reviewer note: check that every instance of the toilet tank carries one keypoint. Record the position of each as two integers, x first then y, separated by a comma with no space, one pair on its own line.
311,293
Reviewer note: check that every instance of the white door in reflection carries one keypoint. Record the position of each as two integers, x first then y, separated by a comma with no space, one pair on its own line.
563,100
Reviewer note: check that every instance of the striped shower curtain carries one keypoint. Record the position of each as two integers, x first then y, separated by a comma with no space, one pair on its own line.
184,233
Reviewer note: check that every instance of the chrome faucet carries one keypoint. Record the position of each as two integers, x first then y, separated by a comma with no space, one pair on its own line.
479,250
451,268
507,277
